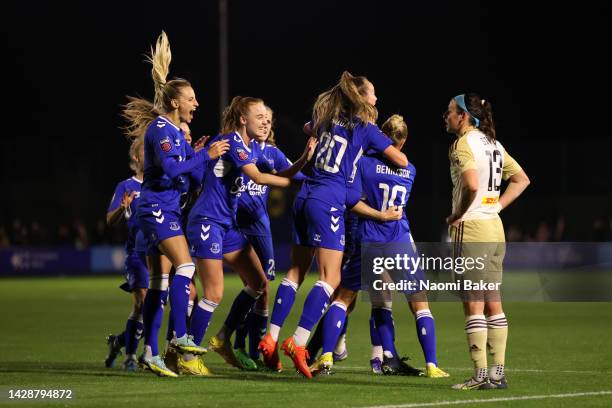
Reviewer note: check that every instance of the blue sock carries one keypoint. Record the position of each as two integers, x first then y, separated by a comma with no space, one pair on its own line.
333,323
374,337
384,323
346,320
285,297
316,341
314,308
242,331
426,330
241,307
153,313
139,332
179,297
200,319
258,323
131,335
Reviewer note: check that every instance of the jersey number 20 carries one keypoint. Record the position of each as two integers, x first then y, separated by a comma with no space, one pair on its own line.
324,159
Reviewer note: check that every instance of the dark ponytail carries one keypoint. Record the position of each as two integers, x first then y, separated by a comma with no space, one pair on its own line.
482,110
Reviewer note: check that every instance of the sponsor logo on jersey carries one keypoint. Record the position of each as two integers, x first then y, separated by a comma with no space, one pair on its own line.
242,154
174,226
238,186
177,142
490,200
215,248
165,144
161,124
342,239
317,237
255,189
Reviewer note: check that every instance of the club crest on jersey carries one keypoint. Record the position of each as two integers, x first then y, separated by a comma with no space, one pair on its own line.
215,248
174,226
165,144
242,154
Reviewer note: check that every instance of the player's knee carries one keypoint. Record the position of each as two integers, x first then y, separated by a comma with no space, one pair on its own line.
333,281
159,282
255,293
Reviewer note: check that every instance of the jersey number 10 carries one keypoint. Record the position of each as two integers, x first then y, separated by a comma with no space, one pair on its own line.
495,169
388,203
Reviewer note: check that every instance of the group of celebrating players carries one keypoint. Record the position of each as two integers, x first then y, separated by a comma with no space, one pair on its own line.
193,209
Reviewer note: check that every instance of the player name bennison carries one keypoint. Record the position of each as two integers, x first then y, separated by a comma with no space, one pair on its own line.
382,169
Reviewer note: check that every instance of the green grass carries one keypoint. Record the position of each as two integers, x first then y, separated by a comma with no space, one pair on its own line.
53,337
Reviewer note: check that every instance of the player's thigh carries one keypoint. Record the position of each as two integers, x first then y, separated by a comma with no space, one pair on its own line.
176,249
210,272
330,263
301,262
246,263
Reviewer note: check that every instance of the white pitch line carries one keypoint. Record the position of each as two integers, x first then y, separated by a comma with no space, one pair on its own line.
486,400
517,370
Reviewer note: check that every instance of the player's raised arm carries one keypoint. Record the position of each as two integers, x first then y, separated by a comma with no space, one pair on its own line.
309,150
266,179
396,156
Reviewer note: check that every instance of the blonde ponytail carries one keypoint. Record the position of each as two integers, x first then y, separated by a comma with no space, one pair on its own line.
343,101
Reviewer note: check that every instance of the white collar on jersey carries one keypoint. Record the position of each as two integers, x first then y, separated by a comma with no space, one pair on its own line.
242,140
169,121
136,179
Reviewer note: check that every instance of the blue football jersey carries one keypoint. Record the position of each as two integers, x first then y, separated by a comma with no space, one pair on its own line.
166,170
337,156
223,182
128,186
254,199
383,186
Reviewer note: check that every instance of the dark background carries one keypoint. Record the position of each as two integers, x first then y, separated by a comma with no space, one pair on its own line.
67,68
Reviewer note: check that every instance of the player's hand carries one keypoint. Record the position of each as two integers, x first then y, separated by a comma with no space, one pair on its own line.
200,143
392,213
127,199
218,149
311,146
453,220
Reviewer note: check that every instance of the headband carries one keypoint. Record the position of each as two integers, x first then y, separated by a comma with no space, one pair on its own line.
460,99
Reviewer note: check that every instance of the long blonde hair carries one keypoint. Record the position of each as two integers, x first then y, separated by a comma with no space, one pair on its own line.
237,108
344,100
165,91
140,112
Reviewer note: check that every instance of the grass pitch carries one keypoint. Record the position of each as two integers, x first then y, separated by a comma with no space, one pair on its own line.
53,329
